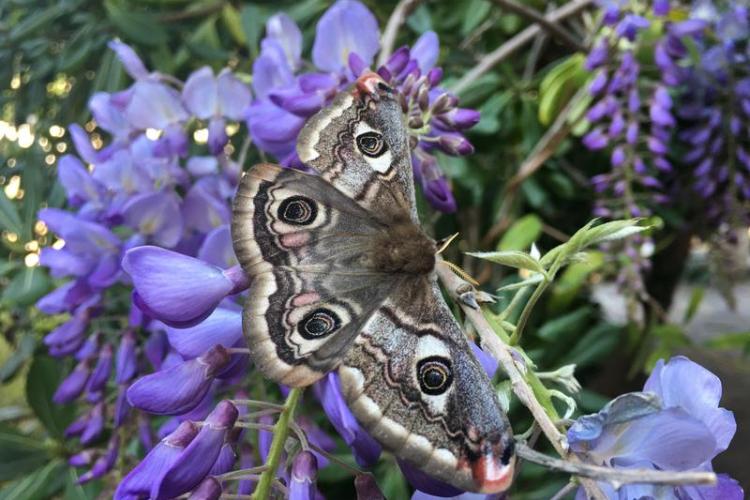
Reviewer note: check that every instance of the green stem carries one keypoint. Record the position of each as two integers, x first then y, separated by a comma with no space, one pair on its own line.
280,432
526,313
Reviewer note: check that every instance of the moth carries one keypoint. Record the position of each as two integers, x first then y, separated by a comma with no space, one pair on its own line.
343,278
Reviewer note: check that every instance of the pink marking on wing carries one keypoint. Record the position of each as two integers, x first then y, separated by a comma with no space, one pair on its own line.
305,299
295,240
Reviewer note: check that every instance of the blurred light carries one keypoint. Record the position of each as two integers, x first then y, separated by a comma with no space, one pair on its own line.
201,135
153,133
9,131
40,228
61,147
56,131
13,187
31,259
50,159
25,136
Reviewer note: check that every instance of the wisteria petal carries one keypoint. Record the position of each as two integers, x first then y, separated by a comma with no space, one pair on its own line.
157,216
347,26
222,327
684,384
426,51
287,34
271,69
154,105
217,248
178,389
175,287
208,489
366,449
129,59
200,93
198,457
139,481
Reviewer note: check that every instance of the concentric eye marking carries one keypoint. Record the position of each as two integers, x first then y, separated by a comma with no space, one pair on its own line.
319,323
298,210
371,144
435,375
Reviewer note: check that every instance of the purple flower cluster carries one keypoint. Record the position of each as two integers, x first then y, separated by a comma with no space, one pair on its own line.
618,121
693,111
713,97
141,188
346,42
675,424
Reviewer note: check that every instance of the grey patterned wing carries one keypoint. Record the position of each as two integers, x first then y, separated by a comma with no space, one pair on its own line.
412,381
359,143
302,243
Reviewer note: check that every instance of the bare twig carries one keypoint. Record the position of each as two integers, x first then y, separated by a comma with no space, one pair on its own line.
515,43
616,477
551,27
564,491
400,13
500,351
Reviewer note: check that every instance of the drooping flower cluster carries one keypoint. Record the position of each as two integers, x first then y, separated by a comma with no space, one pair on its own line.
632,121
678,131
141,188
675,424
346,42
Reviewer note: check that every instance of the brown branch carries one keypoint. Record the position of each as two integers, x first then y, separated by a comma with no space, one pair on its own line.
616,477
515,43
545,148
551,27
501,352
400,13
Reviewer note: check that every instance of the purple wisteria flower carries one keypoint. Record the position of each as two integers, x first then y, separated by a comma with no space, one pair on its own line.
138,189
346,42
676,424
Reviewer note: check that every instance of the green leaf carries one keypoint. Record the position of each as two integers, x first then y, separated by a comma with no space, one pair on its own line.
566,326
139,27
26,287
231,18
610,231
42,484
594,346
252,19
475,11
734,340
20,454
559,85
9,218
75,491
521,234
20,355
44,376
511,258
36,22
